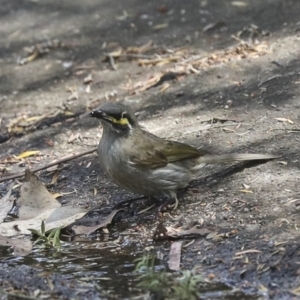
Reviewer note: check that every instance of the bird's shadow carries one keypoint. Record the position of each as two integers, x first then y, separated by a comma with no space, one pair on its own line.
224,173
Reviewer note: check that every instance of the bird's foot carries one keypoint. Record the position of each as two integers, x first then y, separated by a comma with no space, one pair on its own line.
167,203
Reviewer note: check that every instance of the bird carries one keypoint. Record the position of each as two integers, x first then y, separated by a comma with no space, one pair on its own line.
145,164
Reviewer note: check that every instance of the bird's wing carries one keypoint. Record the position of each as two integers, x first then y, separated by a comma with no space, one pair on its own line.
158,152
149,159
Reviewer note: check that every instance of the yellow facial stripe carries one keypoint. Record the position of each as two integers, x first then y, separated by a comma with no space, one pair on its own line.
122,121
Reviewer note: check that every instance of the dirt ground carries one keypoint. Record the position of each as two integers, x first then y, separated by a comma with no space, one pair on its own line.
251,209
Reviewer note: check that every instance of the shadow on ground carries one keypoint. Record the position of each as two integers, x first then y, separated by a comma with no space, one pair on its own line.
258,97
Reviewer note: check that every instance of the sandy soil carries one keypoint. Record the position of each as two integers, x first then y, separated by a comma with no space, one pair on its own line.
253,91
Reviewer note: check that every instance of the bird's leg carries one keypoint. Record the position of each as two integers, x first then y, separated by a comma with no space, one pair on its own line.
169,201
173,197
176,202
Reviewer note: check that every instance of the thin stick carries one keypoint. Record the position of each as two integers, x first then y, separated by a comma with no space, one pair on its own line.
286,129
57,162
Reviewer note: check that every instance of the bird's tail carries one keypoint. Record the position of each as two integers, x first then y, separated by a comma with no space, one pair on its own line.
223,158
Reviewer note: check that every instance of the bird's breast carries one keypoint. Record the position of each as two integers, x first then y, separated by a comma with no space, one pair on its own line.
141,180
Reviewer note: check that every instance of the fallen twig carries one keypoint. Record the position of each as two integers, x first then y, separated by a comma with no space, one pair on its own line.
57,162
287,129
269,79
112,61
221,120
275,77
166,77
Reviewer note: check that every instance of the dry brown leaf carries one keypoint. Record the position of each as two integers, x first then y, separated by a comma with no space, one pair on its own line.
54,178
21,247
37,204
34,197
183,60
80,229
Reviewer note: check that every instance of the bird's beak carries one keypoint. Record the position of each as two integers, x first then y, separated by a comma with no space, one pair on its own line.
99,114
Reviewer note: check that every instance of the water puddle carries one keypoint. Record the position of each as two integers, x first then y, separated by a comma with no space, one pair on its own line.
104,265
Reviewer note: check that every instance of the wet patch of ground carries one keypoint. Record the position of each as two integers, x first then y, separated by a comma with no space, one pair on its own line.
256,240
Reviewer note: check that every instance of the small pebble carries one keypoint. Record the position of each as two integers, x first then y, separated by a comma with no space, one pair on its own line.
144,17
252,227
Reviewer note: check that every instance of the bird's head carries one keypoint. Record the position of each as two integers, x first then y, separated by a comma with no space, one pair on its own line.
116,116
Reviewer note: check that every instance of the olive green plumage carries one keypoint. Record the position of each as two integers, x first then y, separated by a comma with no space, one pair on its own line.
146,164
